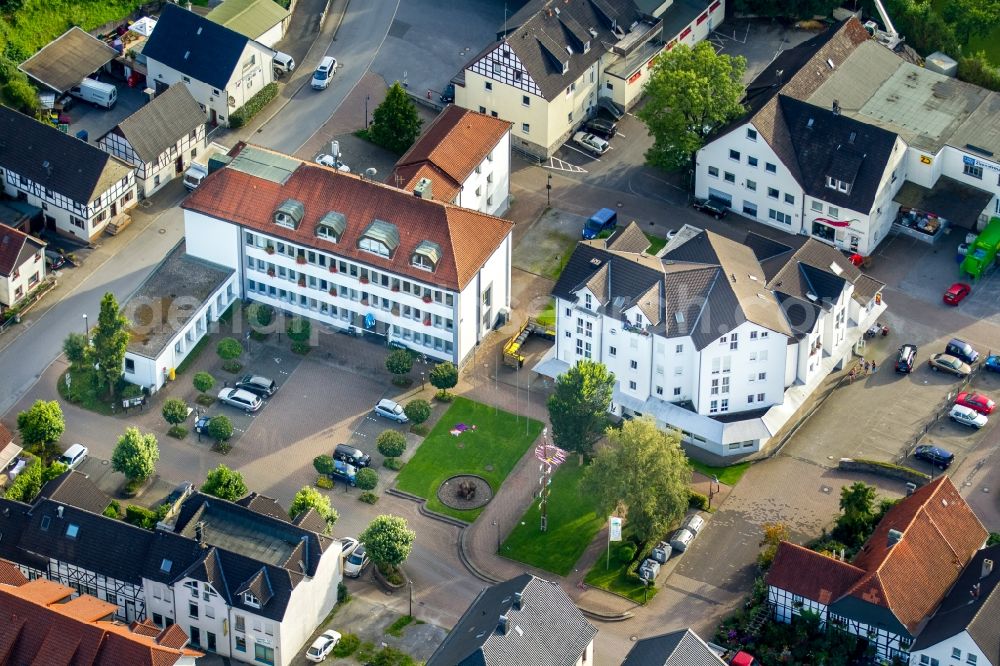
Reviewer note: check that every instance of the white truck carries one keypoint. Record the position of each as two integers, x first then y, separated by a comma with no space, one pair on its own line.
199,165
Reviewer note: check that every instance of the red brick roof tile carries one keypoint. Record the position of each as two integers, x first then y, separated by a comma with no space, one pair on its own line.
10,575
810,574
6,437
467,238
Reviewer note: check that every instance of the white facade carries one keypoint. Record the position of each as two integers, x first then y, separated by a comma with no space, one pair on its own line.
170,164
253,71
487,189
959,649
25,277
339,292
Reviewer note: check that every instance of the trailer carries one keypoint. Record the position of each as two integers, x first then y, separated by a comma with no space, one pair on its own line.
982,253
512,356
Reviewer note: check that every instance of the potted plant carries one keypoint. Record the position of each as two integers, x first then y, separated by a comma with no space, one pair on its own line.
269,249
300,259
427,299
363,279
333,291
427,322
333,268
270,272
302,281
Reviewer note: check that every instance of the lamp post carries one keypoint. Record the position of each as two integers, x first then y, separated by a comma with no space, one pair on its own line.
86,327
411,598
367,97
497,525
713,488
422,384
548,191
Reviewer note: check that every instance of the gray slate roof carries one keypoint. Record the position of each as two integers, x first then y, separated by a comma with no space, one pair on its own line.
544,629
62,163
962,611
159,125
75,489
678,648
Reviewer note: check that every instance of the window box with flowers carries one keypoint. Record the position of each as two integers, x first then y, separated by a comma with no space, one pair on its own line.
363,280
270,272
269,249
333,291
364,301
300,259
427,299
427,322
395,288
333,268
302,281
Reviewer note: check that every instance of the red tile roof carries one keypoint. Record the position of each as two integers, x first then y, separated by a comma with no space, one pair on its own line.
6,437
16,247
467,238
939,536
10,575
447,152
38,629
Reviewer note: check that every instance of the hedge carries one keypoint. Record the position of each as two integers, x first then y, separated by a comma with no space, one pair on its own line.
242,115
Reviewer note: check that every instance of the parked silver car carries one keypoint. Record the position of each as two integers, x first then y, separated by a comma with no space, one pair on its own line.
391,410
591,142
240,399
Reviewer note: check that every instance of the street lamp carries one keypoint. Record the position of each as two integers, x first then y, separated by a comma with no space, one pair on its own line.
422,381
367,97
497,525
548,191
713,488
86,326
411,598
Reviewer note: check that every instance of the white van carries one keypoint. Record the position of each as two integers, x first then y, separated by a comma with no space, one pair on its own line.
97,93
283,63
74,455
321,78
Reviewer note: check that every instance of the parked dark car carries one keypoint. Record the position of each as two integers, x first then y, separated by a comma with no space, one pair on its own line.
348,454
201,425
54,260
962,350
448,96
601,127
257,385
906,358
935,455
711,206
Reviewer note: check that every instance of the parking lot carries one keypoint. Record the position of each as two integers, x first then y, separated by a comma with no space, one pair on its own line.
96,122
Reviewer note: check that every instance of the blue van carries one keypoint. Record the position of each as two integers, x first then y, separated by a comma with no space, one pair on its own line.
603,220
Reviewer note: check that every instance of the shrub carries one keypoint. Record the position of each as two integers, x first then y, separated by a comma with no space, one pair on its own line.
205,400
418,411
368,497
301,348
976,68
395,464
399,362
324,482
391,443
140,516
222,447
626,552
260,315
343,594
298,329
420,429
232,366
366,479
77,348
323,464
131,391
203,381
220,428
348,642
113,510
175,411
242,115
697,501
178,432
229,349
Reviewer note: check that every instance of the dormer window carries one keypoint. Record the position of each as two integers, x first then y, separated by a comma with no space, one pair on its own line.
426,256
289,214
586,46
839,185
331,226
381,238
251,600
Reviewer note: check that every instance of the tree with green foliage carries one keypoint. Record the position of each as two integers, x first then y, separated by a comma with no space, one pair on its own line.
643,470
135,455
19,92
77,349
42,423
924,27
220,428
259,316
27,484
417,411
175,411
310,498
366,478
229,349
52,470
111,336
579,405
323,464
691,93
977,69
399,362
774,534
225,483
971,18
391,443
395,123
857,513
388,540
444,376
203,381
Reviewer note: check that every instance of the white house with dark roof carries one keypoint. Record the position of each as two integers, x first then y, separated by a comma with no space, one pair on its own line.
222,68
677,648
555,62
353,254
720,340
525,621
78,186
22,265
161,139
263,21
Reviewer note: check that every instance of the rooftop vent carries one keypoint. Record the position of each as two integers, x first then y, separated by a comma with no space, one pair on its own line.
732,277
894,537
854,135
502,625
809,124
59,511
595,261
593,32
424,189
517,599
829,63
987,568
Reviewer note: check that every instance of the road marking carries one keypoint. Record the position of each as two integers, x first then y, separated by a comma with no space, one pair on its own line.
566,145
560,165
621,135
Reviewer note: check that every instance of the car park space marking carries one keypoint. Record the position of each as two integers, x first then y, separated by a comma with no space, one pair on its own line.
560,165
591,156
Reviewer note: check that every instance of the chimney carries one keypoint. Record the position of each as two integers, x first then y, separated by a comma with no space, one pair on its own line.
47,167
59,513
987,568
974,592
502,625
836,107
517,595
894,537
424,189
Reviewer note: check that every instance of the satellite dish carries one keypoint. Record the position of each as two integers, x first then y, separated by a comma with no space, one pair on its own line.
335,149
370,173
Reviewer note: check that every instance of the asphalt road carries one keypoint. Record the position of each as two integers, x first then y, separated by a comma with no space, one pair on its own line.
359,39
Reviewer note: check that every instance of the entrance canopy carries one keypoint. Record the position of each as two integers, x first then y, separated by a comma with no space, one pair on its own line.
956,202
70,58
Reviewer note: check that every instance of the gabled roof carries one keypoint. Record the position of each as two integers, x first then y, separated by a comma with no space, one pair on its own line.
678,648
68,59
903,578
75,489
449,150
16,248
264,505
972,605
159,125
203,50
542,628
41,625
251,18
10,575
257,181
55,160
629,239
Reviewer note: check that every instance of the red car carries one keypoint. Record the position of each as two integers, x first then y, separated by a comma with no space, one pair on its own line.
976,401
956,293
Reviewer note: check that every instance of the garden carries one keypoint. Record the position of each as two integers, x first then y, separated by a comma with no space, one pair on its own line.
470,438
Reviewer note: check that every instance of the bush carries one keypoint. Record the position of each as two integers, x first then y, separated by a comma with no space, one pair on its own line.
324,482
232,366
301,348
977,69
391,443
130,391
205,400
298,329
366,479
222,447
260,315
444,397
178,432
697,501
77,348
175,411
229,349
113,510
348,642
203,381
418,411
368,497
420,430
220,428
242,115
399,361
395,464
140,516
343,594
323,464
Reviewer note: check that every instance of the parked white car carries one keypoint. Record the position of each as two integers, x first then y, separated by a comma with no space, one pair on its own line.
323,646
240,399
332,162
967,416
356,563
74,455
591,143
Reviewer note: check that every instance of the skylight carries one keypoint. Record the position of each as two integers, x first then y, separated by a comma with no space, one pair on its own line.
72,530
165,565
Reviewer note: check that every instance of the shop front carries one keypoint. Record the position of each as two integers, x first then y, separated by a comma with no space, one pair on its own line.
843,234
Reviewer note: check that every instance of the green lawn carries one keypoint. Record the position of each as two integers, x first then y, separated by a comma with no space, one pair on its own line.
547,317
572,523
613,579
83,391
656,243
491,452
730,475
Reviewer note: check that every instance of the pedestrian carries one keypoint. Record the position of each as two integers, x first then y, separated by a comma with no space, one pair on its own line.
851,376
874,369
867,367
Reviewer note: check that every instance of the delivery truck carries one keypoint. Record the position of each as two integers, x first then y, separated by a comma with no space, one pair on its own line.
201,165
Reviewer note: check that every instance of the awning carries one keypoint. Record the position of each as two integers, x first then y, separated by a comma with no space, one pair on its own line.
7,454
143,26
744,431
550,366
683,419
67,60
956,202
